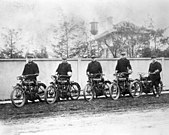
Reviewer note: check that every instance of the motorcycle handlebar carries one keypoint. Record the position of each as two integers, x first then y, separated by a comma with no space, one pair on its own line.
92,75
122,73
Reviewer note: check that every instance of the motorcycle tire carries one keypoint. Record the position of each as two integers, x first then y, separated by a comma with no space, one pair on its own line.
51,94
106,89
135,89
18,97
75,91
88,93
41,92
114,91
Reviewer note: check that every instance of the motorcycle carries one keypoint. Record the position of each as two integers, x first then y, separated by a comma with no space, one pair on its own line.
96,86
123,85
146,84
61,88
27,90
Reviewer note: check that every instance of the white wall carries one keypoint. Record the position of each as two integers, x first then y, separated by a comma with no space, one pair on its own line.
10,69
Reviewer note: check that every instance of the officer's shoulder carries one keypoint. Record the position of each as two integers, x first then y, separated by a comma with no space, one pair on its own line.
34,63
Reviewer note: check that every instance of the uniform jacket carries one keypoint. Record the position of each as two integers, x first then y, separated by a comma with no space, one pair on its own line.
94,67
153,67
63,68
31,68
123,65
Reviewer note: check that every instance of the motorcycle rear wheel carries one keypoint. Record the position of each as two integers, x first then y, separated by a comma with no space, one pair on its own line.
41,92
88,93
18,97
75,91
135,89
51,94
114,91
107,89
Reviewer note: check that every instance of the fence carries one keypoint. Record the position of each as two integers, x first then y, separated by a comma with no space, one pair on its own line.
11,68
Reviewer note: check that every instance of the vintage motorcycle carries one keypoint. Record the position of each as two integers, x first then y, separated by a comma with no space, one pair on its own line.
61,88
146,84
123,85
27,90
96,86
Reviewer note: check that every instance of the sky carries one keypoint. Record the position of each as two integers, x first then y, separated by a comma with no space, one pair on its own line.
19,13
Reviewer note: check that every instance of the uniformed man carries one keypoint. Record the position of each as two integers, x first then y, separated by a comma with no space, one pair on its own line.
94,67
31,69
123,64
64,68
154,73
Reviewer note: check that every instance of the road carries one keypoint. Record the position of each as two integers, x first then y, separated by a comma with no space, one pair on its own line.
119,123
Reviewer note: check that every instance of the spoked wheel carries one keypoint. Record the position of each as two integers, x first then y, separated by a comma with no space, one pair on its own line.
135,89
107,89
114,91
41,92
18,97
88,92
75,91
51,94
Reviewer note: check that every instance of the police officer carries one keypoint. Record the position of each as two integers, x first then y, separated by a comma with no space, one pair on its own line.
31,69
94,67
64,68
123,64
154,73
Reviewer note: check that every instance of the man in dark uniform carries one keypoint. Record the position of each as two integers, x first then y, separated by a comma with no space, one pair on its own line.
31,69
94,67
64,68
123,64
154,73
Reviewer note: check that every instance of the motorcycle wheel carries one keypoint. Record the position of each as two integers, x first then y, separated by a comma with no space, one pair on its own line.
75,91
135,89
114,91
107,89
51,94
41,92
18,97
88,93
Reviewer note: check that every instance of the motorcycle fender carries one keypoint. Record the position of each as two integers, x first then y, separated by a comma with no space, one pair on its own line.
52,83
17,85
107,81
39,84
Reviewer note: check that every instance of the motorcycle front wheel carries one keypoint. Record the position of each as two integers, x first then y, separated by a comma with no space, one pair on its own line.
18,97
135,89
75,91
51,94
114,91
88,92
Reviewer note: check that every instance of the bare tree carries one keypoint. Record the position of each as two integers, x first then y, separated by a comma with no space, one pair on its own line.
11,38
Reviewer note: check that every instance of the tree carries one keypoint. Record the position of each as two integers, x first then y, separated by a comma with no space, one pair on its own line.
125,36
42,53
71,39
11,39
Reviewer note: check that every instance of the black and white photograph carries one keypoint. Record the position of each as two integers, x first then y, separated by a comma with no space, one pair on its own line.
84,67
